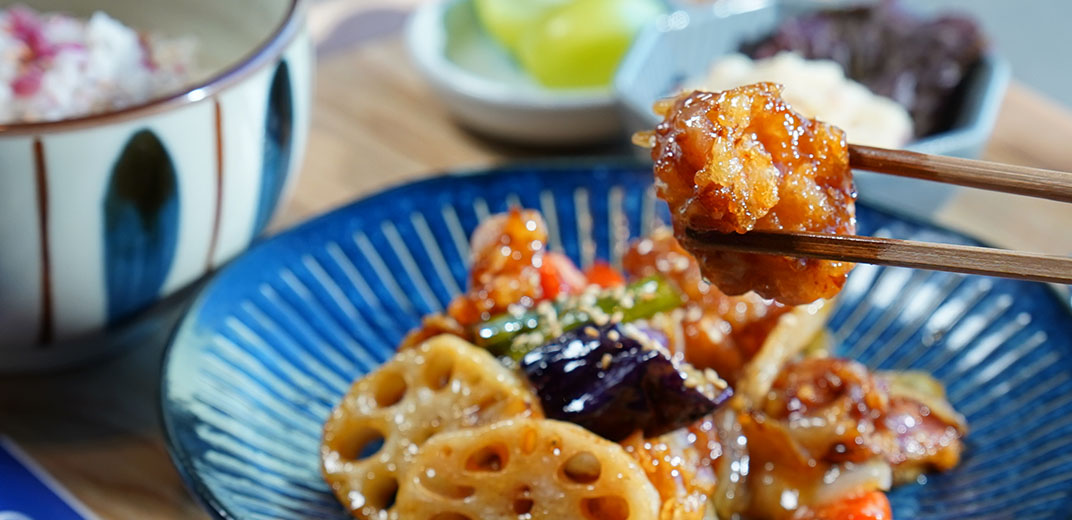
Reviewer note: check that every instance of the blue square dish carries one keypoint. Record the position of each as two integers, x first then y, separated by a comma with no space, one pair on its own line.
683,45
274,341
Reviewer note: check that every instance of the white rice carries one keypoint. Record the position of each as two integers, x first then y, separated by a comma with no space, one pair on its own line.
54,66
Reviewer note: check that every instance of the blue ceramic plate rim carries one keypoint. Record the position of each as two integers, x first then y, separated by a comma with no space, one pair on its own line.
182,459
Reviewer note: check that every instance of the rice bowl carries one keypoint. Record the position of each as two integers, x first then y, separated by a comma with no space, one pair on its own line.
112,204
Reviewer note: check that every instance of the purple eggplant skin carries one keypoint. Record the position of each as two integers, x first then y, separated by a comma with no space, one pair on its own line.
614,387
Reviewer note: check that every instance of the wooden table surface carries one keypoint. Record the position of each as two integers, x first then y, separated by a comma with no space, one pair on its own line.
377,124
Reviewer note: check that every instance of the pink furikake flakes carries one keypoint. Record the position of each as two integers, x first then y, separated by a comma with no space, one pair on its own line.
55,66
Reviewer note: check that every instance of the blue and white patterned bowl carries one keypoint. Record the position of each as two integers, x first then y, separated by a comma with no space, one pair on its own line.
103,216
275,340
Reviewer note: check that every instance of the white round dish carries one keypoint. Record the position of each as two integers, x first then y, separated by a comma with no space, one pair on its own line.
486,91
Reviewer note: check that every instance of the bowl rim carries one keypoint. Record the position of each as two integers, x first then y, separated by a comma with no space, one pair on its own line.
182,459
262,53
426,39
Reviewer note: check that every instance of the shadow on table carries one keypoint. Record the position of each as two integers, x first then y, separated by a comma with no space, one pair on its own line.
118,395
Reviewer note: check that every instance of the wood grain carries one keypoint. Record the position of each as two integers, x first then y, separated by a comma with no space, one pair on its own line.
1032,131
987,175
376,124
898,253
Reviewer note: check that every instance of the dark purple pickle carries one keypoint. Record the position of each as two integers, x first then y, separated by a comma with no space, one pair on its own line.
614,384
919,63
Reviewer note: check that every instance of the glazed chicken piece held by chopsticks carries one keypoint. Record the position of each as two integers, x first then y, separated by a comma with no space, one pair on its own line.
743,160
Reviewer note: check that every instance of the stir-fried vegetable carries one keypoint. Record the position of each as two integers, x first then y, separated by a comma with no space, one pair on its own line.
614,380
603,275
868,506
558,276
514,335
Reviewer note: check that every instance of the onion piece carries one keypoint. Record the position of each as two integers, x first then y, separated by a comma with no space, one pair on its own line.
731,497
848,479
923,388
794,331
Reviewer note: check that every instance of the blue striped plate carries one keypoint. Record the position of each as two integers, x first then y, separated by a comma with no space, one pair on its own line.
275,340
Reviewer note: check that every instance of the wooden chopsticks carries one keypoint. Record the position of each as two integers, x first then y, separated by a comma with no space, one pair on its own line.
1032,182
886,251
1021,180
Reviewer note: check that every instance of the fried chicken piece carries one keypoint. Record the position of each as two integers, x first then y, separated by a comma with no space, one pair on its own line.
833,408
838,411
720,332
507,253
681,466
431,326
511,269
743,160
925,441
926,428
830,430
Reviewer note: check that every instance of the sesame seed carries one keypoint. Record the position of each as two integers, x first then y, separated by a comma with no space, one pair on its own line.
713,378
